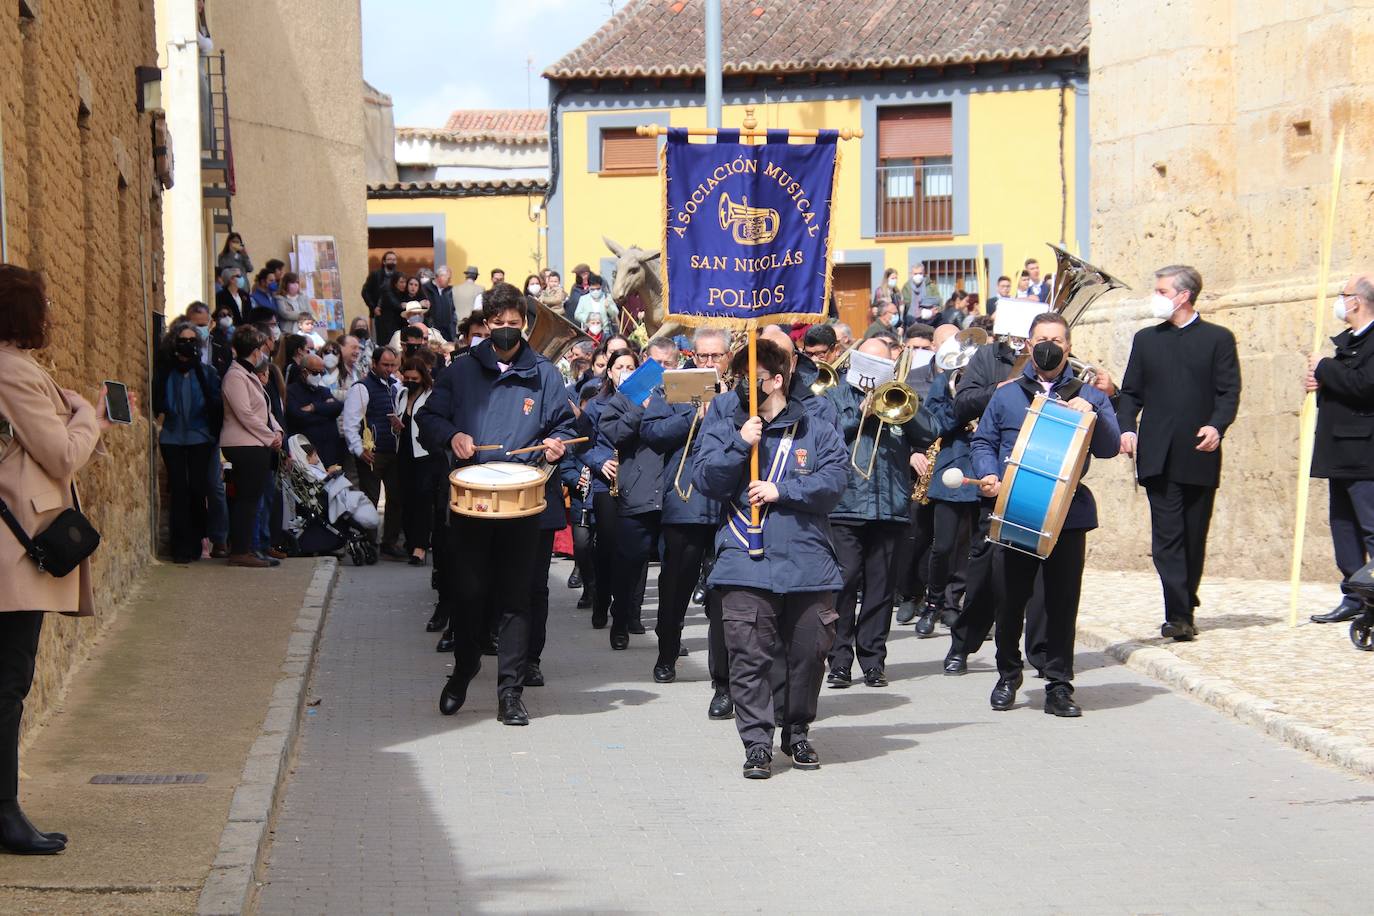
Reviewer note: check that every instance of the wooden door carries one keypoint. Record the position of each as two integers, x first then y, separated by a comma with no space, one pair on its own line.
414,247
849,283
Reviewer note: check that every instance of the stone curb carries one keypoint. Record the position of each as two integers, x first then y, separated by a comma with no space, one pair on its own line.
229,888
1186,677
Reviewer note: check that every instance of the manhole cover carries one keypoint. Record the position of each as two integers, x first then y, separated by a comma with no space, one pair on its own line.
148,779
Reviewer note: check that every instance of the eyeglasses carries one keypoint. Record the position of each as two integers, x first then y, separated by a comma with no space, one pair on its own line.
709,357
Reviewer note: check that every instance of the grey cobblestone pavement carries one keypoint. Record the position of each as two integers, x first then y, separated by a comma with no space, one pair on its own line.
622,797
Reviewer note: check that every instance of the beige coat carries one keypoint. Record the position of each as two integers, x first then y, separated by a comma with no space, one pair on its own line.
51,435
248,419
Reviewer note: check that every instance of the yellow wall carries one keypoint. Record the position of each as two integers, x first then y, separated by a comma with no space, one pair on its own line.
1014,179
486,231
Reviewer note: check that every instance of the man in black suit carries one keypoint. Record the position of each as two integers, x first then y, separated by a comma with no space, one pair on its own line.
377,281
1345,426
1184,375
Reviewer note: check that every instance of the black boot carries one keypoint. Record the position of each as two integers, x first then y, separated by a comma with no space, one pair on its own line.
22,838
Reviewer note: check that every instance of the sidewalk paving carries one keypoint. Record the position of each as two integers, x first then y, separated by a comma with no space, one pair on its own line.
180,684
1307,685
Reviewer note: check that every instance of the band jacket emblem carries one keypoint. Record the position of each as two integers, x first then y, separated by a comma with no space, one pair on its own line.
801,457
529,405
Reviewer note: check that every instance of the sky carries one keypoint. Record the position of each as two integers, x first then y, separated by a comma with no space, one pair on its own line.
432,56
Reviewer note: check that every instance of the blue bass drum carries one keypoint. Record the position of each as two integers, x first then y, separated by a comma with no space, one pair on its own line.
1041,477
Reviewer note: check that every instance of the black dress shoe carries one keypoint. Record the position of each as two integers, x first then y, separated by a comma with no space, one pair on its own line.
534,677
699,595
1339,614
619,640
21,838
758,764
1178,630
664,674
722,707
956,664
599,620
1004,694
925,624
682,652
513,711
584,602
838,678
1059,702
438,621
875,677
393,552
446,642
574,580
804,756
637,627
455,692
490,646
906,611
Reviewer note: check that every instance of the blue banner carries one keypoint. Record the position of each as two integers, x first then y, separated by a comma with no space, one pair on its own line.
747,237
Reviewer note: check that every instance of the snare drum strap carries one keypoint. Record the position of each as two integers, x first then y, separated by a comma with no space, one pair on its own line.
739,521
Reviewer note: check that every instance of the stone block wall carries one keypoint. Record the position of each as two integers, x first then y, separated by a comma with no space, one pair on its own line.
81,205
1214,124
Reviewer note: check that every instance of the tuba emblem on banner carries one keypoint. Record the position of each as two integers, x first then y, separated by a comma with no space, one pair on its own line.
749,225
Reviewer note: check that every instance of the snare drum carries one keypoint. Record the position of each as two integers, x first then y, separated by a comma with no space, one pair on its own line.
497,489
1041,477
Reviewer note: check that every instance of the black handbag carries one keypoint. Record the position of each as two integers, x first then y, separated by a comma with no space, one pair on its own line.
59,548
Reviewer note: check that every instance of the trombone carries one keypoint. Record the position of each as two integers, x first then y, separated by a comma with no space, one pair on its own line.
893,403
828,374
686,495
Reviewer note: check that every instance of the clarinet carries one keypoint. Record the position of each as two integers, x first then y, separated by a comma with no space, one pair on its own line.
584,489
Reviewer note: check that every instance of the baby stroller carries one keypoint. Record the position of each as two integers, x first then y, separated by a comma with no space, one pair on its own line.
324,513
1361,584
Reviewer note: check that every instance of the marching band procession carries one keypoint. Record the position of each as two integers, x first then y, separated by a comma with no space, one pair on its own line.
805,490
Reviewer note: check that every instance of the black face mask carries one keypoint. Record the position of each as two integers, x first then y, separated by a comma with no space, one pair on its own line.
505,338
411,349
742,392
412,386
187,349
360,334
1047,355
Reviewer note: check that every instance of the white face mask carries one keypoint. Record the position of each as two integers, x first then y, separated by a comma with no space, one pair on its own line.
596,294
276,332
593,329
534,289
475,339
331,361
1162,307
1339,308
622,375
892,282
918,279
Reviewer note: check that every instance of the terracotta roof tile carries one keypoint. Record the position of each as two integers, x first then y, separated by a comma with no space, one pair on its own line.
499,121
479,188
665,37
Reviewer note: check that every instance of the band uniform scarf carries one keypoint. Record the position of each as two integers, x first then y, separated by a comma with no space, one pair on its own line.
739,521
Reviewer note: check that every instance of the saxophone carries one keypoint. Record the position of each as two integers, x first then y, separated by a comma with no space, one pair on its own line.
920,493
615,482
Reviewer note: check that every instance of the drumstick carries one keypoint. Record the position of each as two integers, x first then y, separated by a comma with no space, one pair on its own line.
954,479
534,448
486,448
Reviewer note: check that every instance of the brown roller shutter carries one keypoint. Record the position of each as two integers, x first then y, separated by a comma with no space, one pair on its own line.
624,151
915,133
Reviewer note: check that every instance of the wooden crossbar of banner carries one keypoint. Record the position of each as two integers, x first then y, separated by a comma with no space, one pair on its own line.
658,130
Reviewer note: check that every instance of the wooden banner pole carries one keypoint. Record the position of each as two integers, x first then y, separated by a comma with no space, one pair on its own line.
750,123
1307,422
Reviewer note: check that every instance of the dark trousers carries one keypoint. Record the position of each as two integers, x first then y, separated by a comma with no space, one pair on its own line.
188,489
684,547
439,540
19,632
916,552
865,554
385,471
1061,574
1180,515
252,470
584,555
416,477
1352,526
539,594
949,549
979,610
491,560
761,626
912,556
635,537
607,516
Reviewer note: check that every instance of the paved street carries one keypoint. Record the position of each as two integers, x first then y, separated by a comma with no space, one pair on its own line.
623,797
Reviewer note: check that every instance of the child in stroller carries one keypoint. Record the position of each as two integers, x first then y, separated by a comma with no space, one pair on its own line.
324,512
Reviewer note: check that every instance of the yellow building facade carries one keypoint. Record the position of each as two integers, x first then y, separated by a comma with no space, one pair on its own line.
1019,176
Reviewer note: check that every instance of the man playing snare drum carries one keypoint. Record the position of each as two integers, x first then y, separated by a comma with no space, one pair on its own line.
1046,373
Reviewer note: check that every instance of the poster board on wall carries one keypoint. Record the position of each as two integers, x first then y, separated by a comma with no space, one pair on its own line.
316,259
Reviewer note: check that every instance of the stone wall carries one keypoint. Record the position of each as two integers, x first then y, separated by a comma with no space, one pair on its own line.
1214,124
81,206
295,87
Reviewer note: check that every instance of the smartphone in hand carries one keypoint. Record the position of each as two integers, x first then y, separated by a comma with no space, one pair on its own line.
117,407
